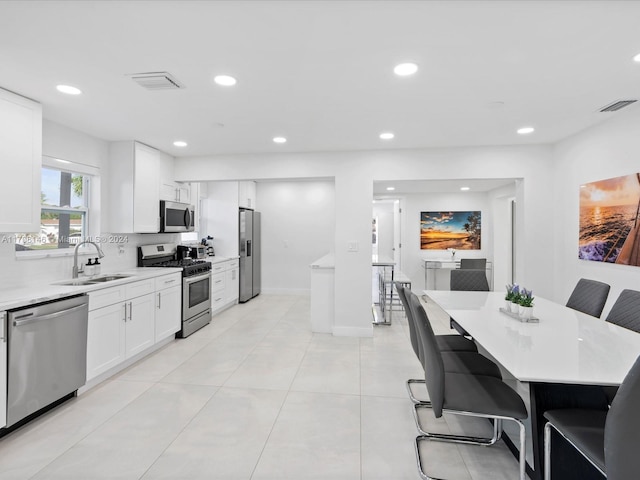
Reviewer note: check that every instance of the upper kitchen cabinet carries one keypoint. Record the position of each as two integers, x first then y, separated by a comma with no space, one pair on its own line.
176,192
134,187
247,195
21,161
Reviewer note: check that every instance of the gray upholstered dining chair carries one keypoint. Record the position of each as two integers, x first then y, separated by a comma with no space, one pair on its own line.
626,310
464,360
608,439
589,296
469,280
473,263
464,394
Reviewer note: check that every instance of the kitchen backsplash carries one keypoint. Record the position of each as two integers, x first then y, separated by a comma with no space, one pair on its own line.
33,271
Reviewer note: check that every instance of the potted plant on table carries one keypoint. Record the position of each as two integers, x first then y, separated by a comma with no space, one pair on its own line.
512,298
526,304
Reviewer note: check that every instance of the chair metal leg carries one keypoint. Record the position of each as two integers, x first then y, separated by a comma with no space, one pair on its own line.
462,439
413,398
447,437
547,451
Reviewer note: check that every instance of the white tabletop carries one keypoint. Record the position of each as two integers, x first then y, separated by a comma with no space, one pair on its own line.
566,346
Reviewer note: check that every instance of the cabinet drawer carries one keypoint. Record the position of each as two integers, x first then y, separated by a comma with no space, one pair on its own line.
217,283
142,287
217,301
231,264
167,281
106,296
218,267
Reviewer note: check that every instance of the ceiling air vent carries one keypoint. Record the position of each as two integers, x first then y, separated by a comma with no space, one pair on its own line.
156,81
615,106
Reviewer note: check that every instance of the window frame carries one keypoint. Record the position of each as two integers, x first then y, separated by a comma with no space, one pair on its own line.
91,178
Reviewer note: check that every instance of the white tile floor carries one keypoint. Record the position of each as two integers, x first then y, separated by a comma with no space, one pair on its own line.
255,395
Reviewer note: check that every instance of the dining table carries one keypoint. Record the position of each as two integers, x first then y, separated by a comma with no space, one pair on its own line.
562,359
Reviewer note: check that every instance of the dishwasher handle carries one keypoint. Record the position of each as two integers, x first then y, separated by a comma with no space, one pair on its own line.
42,318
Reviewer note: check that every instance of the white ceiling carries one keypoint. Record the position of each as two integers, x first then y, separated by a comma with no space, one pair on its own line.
403,187
320,72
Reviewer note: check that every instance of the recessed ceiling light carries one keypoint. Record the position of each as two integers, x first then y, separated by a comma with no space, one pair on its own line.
636,58
387,136
405,69
464,189
391,189
68,89
526,130
225,80
180,143
279,140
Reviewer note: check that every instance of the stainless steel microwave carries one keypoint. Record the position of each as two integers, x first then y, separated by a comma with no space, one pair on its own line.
176,217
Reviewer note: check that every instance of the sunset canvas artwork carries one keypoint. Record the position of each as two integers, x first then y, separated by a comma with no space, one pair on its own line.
609,220
456,230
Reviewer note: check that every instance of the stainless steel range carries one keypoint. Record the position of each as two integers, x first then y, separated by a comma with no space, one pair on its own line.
196,283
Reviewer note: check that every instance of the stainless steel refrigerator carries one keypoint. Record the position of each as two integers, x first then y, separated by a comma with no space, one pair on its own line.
250,271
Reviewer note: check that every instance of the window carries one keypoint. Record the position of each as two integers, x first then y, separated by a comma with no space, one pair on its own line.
64,214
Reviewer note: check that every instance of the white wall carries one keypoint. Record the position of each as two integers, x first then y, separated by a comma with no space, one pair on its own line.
354,174
298,227
609,150
221,218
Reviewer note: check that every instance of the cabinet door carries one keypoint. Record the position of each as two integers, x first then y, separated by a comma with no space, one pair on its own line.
168,312
231,285
105,339
21,155
140,324
3,369
169,191
146,190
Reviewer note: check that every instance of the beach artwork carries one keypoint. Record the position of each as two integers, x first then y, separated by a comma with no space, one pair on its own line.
609,220
457,230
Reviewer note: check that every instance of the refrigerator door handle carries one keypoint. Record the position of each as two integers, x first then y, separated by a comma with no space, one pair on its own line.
248,248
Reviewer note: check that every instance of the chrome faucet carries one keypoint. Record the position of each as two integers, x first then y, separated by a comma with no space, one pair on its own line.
75,271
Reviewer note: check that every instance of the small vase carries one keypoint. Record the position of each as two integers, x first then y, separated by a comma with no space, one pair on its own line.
507,305
526,313
514,307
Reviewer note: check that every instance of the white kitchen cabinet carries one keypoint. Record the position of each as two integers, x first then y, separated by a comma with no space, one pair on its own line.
3,369
224,284
247,194
168,306
140,325
231,283
121,324
105,338
135,187
175,191
21,162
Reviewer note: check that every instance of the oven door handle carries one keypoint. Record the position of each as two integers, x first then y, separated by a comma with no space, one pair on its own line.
197,278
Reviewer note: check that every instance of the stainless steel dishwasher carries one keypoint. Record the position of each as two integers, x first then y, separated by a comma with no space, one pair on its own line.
47,354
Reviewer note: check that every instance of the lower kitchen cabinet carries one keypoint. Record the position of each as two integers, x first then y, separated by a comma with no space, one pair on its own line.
140,325
3,369
121,324
225,288
168,308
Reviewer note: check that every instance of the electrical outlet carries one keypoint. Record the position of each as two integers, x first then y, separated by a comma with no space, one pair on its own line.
120,249
352,247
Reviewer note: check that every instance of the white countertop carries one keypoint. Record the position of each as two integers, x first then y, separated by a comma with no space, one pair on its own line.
566,346
328,261
215,259
39,292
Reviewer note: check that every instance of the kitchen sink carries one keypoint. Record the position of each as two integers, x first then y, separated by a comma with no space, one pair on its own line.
107,278
92,281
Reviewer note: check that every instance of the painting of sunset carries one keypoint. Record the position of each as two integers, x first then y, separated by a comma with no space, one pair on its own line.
609,220
442,230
